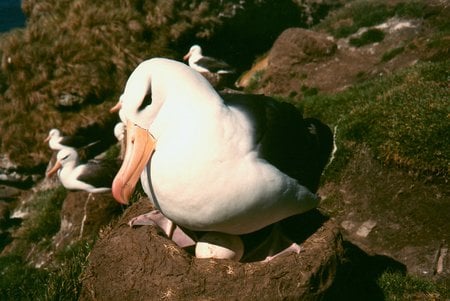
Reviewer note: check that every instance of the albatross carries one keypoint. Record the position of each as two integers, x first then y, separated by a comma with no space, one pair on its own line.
94,176
56,141
203,64
231,163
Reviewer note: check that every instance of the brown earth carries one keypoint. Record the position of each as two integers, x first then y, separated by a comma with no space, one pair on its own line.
142,264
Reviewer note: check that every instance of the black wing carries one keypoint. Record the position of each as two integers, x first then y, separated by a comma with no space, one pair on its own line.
214,65
100,173
298,147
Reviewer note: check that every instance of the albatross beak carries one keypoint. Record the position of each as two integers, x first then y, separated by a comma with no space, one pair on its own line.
139,149
116,107
186,57
54,169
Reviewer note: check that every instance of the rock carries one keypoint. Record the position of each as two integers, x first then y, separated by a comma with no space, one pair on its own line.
140,264
70,100
83,215
8,193
366,227
293,48
4,213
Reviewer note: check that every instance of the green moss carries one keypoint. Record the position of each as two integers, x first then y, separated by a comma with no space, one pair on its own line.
19,281
403,117
398,287
44,219
361,14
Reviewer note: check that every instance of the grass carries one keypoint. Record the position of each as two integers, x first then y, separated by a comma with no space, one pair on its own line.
402,117
59,281
364,13
397,287
19,281
44,219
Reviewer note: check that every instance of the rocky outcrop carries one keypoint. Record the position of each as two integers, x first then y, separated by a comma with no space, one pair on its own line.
141,264
83,215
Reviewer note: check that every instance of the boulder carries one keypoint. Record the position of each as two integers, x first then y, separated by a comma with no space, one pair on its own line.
83,215
294,48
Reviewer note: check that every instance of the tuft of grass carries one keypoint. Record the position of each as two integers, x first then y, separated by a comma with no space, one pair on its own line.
403,118
44,219
368,37
309,91
398,287
19,281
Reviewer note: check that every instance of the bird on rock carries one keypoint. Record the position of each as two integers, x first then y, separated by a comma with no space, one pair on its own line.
93,176
56,141
203,64
229,164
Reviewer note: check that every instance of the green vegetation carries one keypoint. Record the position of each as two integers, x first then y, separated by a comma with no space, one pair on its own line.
368,37
59,281
397,287
44,220
19,281
363,13
403,117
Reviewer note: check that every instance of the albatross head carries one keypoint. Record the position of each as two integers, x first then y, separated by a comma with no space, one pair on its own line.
151,85
63,157
52,133
194,52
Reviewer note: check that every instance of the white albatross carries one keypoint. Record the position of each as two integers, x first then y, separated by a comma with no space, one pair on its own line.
231,164
94,176
203,64
56,141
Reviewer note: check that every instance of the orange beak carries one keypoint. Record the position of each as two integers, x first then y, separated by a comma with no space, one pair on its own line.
116,108
54,169
186,57
139,149
47,139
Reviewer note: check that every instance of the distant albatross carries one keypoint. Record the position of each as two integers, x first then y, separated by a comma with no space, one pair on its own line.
94,176
231,164
204,64
56,141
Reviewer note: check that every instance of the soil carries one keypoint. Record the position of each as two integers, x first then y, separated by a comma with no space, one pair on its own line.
142,264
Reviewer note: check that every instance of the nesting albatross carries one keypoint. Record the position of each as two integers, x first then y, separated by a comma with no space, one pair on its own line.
231,164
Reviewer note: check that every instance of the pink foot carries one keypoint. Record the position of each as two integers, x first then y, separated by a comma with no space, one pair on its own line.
173,232
293,248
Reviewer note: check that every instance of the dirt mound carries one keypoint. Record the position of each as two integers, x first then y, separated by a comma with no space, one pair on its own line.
141,264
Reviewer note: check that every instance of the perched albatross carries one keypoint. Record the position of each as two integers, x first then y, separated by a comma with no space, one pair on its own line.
94,176
204,64
231,164
56,141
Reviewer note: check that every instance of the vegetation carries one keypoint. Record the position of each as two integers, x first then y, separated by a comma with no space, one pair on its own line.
398,287
19,281
364,13
374,113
